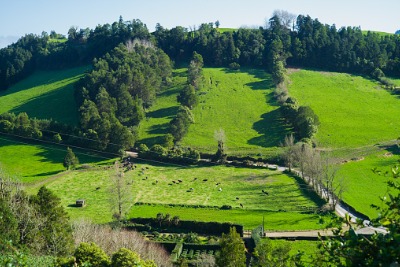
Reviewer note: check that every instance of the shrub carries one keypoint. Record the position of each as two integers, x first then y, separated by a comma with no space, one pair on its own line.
234,66
125,258
90,253
226,207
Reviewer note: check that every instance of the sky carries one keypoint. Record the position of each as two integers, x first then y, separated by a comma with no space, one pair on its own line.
20,17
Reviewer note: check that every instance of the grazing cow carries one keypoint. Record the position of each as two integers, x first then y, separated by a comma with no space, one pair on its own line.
174,182
205,180
156,181
180,181
241,205
194,179
97,188
237,198
217,183
220,189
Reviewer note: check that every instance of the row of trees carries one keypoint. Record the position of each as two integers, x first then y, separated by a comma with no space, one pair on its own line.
303,41
188,99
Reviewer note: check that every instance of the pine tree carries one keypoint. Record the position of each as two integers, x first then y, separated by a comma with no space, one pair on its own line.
70,160
232,252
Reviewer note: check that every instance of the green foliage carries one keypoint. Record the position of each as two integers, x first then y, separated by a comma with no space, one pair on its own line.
232,251
125,258
195,71
70,160
9,226
90,253
180,124
112,105
55,230
188,97
274,255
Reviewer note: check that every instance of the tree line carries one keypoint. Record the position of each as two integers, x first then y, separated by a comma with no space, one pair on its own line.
303,41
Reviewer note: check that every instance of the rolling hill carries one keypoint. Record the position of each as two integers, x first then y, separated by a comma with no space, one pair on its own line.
353,111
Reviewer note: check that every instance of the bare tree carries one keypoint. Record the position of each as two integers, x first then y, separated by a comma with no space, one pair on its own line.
289,154
110,240
287,19
120,193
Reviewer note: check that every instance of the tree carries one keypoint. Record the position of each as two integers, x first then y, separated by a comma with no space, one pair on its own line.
289,154
188,97
127,258
120,196
220,137
91,255
217,23
232,253
70,160
55,229
195,71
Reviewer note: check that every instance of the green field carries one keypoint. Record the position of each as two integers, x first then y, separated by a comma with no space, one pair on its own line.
353,111
363,187
308,247
285,193
240,103
45,95
33,163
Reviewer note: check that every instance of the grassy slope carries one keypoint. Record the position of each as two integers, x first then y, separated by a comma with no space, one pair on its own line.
353,111
363,186
45,94
32,163
162,112
241,104
238,102
284,193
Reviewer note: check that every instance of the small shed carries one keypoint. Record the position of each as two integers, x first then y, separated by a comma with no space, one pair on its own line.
80,203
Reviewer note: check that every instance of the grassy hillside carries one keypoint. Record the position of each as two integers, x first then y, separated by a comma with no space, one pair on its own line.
284,193
44,95
238,102
363,187
33,163
353,111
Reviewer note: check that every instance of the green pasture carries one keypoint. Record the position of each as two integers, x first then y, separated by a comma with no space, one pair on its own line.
363,186
222,30
35,162
381,34
353,111
240,103
162,112
250,219
286,197
45,95
308,247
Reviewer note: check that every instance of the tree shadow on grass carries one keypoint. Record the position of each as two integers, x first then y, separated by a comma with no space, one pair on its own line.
272,128
163,112
58,105
159,129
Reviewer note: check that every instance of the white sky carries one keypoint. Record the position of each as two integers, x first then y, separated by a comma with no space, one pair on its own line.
19,17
